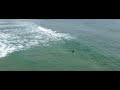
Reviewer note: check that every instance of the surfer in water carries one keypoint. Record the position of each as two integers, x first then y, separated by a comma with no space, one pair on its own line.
73,51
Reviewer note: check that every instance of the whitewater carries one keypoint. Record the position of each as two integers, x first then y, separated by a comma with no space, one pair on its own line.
24,35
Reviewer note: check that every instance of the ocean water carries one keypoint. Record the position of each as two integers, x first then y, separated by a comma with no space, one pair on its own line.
47,44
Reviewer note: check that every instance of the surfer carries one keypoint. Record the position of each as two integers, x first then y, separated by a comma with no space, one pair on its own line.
73,51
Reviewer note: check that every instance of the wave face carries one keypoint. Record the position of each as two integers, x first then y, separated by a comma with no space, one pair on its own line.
18,35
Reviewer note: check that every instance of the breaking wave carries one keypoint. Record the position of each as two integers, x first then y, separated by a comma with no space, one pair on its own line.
24,35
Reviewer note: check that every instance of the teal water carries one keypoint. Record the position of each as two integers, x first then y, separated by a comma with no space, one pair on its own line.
47,44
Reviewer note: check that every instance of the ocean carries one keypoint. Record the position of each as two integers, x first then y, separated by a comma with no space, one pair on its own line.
47,44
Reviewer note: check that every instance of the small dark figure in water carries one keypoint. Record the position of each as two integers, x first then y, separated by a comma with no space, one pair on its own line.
73,51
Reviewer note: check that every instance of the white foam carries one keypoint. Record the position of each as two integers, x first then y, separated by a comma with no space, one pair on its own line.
53,34
6,50
32,35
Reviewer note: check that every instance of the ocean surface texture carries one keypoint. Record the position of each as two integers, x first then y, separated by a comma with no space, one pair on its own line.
48,44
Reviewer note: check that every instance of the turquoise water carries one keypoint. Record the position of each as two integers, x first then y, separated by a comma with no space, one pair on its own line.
47,44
